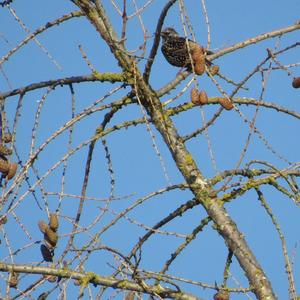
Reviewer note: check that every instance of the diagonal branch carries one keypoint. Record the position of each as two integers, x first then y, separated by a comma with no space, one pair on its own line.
38,31
156,39
185,163
254,40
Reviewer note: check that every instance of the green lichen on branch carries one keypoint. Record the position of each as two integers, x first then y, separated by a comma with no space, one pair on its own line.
113,77
250,184
88,278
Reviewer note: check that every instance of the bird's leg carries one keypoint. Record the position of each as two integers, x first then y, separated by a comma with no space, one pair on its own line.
180,71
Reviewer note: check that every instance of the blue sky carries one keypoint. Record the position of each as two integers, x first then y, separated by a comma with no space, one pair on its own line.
137,168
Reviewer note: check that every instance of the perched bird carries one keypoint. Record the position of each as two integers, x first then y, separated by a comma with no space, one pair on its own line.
175,49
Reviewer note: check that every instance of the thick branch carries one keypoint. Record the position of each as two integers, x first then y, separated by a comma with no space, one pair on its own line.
184,160
111,77
95,279
254,40
237,100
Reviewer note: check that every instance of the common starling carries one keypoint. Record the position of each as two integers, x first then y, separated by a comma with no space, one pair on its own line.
175,49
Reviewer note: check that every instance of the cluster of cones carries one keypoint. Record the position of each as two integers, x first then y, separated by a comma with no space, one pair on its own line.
200,62
198,55
50,237
200,98
7,168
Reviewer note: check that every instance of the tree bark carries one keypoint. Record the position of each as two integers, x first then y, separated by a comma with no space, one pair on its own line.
225,226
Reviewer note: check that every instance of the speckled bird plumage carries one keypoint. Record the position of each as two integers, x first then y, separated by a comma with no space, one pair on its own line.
175,49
